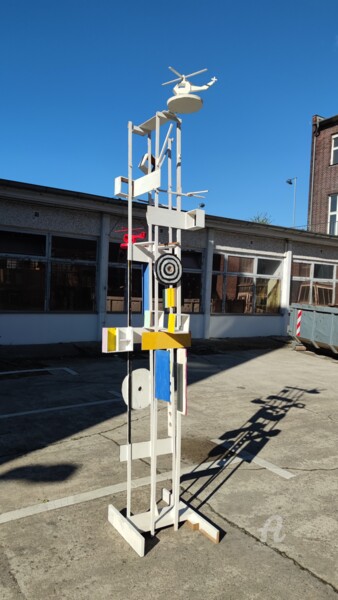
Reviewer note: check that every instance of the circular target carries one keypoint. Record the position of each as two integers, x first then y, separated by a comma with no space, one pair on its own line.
168,269
140,388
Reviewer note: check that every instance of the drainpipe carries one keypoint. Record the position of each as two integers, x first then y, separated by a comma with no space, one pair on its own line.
315,133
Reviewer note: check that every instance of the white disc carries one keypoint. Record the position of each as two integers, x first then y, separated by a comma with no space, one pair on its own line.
140,396
185,103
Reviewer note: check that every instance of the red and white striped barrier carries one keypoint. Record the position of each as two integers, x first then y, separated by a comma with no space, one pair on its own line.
299,320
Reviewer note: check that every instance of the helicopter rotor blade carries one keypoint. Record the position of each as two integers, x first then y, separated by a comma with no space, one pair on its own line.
172,81
176,72
196,73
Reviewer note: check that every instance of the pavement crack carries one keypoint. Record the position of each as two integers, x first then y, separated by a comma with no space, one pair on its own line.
320,415
311,470
274,549
108,438
10,576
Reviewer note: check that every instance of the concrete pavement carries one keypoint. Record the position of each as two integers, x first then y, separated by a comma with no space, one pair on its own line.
263,427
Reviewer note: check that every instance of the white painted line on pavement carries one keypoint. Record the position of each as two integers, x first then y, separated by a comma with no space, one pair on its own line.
48,369
246,456
54,409
29,511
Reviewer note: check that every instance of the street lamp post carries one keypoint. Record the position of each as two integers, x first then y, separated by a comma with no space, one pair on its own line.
293,181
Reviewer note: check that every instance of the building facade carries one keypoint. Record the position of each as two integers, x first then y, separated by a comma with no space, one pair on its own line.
63,271
323,193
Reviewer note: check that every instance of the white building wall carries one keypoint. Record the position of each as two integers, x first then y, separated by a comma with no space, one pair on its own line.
223,326
243,242
40,328
315,251
35,218
46,328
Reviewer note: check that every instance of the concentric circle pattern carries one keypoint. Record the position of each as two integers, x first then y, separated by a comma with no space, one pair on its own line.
168,269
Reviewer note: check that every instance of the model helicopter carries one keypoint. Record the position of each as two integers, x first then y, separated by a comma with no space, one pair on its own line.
185,101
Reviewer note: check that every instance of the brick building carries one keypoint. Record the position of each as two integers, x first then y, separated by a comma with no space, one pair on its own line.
323,193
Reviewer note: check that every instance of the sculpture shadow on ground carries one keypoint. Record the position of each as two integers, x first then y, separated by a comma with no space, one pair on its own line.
242,444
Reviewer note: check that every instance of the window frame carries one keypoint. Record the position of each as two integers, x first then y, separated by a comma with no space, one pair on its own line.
193,270
317,285
254,275
122,264
48,261
334,149
332,213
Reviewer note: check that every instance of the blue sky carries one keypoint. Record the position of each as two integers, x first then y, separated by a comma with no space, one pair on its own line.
74,72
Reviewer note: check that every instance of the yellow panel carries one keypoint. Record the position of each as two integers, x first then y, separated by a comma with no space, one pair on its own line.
171,322
111,339
170,297
162,340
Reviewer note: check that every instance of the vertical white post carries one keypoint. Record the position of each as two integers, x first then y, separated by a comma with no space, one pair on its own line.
129,293
170,185
153,406
176,414
172,403
151,356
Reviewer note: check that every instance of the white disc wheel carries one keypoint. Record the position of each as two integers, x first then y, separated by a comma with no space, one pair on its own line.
140,386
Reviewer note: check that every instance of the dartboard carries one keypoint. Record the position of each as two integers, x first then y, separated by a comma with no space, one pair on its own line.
168,269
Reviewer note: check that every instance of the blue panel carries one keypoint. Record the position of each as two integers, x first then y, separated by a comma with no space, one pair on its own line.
145,287
162,375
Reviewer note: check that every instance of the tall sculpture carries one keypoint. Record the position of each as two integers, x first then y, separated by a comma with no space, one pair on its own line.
165,333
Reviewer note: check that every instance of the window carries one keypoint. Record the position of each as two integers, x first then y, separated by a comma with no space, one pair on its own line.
266,266
314,283
240,264
73,248
73,274
245,285
267,295
72,287
322,271
117,254
116,289
191,259
192,281
334,150
47,272
191,292
333,214
13,242
300,269
239,294
217,293
22,285
117,282
22,271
